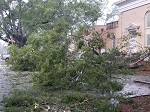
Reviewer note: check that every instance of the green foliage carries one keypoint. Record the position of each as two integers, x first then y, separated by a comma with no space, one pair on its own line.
47,49
58,68
80,44
25,18
110,85
32,101
88,103
22,58
61,70
84,69
20,101
73,98
51,50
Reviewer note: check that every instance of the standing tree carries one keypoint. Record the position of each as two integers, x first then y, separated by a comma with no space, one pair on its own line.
19,18
11,22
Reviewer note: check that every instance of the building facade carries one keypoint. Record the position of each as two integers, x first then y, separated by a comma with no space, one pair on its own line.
134,16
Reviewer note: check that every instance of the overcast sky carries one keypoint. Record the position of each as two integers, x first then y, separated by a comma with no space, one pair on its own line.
112,1
108,8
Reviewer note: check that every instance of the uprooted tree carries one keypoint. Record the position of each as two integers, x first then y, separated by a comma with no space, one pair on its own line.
47,51
52,29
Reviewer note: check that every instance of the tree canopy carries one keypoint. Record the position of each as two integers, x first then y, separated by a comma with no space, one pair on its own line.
19,19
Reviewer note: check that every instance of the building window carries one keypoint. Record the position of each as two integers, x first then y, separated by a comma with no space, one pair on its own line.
148,19
147,29
112,25
148,39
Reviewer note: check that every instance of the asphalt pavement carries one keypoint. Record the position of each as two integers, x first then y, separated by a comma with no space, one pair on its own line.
5,85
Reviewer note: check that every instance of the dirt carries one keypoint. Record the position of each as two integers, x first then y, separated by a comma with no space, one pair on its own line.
138,103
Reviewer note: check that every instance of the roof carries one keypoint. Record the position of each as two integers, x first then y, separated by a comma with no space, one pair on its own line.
123,2
118,2
124,5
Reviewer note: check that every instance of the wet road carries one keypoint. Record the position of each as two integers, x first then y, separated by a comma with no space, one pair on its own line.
5,85
134,85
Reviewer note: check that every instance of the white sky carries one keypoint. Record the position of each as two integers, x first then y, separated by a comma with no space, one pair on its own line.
25,1
108,9
112,1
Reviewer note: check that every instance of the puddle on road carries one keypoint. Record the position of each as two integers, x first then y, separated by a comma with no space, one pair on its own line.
131,88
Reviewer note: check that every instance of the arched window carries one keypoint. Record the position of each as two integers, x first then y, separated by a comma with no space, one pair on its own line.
147,19
147,28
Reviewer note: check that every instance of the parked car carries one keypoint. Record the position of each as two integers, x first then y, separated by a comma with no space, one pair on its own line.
5,56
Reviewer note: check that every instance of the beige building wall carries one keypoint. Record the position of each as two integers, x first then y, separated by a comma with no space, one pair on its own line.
108,41
112,29
103,31
133,16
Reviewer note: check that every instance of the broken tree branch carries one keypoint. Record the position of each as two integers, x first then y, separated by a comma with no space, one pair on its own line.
144,82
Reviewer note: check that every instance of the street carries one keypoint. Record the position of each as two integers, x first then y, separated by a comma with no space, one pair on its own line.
5,85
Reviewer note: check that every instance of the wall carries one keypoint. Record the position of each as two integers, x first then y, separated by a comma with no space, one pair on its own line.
136,16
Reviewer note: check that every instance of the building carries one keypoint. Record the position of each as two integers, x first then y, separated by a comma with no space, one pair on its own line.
134,16
101,29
